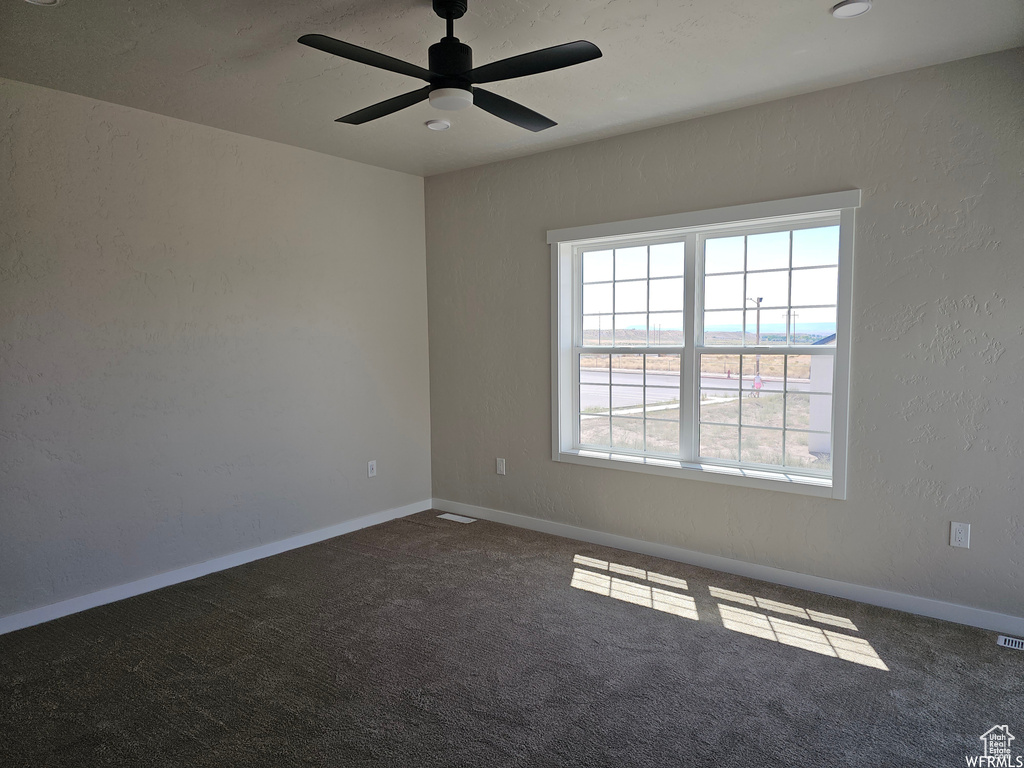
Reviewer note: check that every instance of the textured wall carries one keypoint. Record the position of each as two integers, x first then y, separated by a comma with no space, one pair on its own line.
203,338
937,413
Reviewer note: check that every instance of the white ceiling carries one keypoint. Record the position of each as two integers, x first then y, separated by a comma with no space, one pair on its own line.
235,64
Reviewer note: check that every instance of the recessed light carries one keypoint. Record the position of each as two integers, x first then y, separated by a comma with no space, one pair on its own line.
848,9
45,3
438,125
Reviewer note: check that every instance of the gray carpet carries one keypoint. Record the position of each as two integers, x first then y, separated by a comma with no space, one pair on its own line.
423,642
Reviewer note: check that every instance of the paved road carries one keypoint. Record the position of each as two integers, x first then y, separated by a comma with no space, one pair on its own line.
597,396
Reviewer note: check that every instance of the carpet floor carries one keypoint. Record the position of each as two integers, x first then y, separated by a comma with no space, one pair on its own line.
426,642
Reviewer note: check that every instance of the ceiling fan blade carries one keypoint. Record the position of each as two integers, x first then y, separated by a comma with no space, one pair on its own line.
384,108
365,56
533,63
509,110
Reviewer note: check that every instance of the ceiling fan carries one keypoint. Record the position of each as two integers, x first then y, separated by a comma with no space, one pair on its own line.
452,78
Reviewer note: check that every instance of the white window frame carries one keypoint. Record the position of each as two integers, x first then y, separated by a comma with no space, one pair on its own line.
566,296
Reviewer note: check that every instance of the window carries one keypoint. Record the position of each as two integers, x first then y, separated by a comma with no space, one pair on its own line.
712,345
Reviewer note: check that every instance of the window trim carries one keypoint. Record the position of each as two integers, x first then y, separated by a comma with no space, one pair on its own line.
564,244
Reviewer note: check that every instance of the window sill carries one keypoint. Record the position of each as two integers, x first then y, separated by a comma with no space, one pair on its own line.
767,480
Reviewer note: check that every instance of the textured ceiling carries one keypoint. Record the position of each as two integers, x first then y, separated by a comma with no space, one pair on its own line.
235,64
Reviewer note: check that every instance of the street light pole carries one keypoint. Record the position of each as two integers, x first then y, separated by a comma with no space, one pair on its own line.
757,341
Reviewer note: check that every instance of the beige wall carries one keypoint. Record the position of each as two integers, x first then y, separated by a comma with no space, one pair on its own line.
203,339
937,410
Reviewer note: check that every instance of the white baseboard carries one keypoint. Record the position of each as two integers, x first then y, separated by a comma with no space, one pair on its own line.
112,594
922,606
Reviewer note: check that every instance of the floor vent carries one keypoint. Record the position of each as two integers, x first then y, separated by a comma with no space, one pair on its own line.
1010,642
457,518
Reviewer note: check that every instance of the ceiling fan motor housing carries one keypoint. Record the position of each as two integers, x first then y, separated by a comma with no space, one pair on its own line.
450,58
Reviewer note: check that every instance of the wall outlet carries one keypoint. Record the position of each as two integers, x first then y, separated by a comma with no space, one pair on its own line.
501,466
960,535
371,468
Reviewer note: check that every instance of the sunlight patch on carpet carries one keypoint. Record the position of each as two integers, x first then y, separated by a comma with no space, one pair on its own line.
628,570
637,593
639,586
814,639
776,607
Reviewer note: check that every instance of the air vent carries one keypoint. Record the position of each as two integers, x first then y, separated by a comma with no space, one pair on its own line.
1010,642
457,518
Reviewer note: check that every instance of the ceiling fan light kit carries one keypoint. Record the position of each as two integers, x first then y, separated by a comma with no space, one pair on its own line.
450,98
451,78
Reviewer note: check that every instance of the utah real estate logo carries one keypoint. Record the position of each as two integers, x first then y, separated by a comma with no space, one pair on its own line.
998,752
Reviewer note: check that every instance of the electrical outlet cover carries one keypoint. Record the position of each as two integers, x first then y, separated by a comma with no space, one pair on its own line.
960,535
